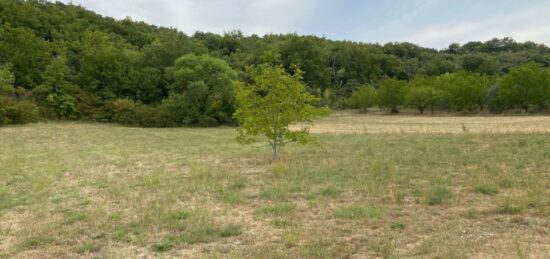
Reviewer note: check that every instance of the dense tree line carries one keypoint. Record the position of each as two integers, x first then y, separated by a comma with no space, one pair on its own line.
525,87
61,61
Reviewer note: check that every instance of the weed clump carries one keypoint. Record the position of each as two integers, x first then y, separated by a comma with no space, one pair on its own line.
439,196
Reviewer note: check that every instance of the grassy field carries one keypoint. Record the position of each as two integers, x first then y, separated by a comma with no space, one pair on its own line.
378,122
97,190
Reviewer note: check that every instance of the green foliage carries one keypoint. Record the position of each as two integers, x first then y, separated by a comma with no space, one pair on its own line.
21,112
76,63
106,64
423,94
477,63
7,80
28,54
495,102
363,98
54,92
206,83
13,111
526,87
391,94
465,91
170,113
310,54
270,103
124,111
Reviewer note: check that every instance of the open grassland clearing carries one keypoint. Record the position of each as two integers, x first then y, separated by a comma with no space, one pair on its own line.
378,122
71,189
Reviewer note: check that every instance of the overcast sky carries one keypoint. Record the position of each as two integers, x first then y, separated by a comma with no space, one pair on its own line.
430,23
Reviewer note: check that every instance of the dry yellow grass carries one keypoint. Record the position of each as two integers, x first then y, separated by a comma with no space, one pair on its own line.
71,190
352,122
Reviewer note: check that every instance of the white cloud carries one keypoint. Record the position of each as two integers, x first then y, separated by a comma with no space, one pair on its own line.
251,16
528,23
522,26
423,22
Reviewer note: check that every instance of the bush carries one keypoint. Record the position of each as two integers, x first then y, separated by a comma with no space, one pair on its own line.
21,112
494,101
124,111
391,94
363,98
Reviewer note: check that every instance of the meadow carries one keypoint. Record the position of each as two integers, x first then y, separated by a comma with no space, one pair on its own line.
374,187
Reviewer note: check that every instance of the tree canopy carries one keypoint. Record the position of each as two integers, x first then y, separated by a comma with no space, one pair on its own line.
105,60
271,103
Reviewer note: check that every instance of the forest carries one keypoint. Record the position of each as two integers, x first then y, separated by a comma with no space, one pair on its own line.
63,62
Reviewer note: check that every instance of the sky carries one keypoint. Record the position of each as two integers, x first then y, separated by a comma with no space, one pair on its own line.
429,23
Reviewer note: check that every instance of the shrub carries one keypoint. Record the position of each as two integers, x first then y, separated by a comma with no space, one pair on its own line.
391,94
124,111
494,101
363,98
526,87
22,112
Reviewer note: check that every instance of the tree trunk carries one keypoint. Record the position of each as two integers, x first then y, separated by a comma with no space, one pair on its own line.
394,110
276,152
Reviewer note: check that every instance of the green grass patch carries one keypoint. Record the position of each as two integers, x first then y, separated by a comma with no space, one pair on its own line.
37,241
510,207
73,216
397,226
231,230
88,247
331,192
277,209
358,212
70,189
439,195
486,189
162,247
283,222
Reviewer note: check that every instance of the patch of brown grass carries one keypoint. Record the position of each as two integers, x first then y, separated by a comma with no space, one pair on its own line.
352,122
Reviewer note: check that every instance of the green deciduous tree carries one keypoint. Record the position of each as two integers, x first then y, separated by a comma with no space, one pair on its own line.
464,90
207,85
478,63
55,90
106,64
7,79
391,94
308,53
6,89
28,54
423,94
270,103
363,98
526,87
